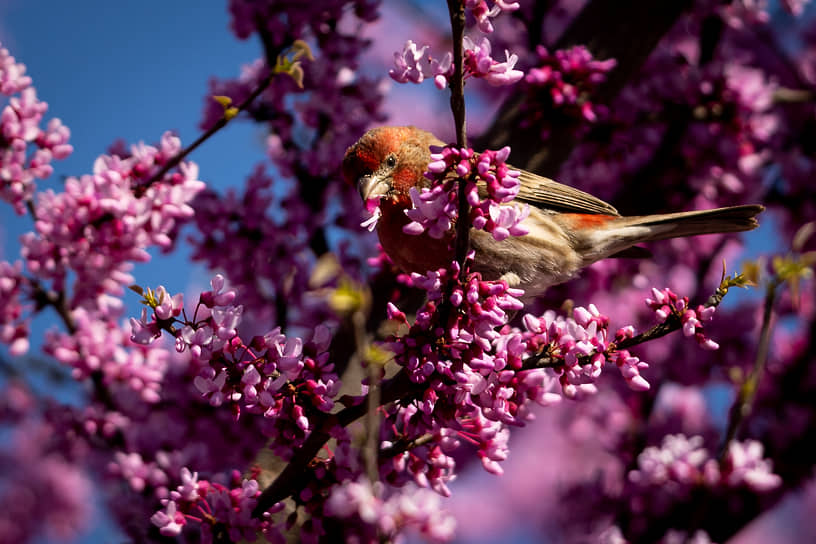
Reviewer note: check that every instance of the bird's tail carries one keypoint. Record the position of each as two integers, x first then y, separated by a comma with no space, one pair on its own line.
621,235
676,225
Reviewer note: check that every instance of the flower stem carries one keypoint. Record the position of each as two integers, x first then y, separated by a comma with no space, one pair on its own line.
456,9
748,390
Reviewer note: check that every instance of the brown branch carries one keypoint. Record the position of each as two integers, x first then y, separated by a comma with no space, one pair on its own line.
297,474
670,324
456,10
221,123
43,297
372,440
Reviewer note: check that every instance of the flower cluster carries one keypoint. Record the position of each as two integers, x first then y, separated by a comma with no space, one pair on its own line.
208,503
20,130
411,64
481,374
366,514
97,227
579,347
13,330
284,379
468,385
415,65
482,12
666,303
565,81
100,348
435,208
479,63
683,462
722,115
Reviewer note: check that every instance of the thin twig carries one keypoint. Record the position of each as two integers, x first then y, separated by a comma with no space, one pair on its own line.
403,445
44,297
748,390
670,324
221,123
456,9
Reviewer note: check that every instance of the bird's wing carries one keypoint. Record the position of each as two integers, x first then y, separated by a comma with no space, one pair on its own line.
545,193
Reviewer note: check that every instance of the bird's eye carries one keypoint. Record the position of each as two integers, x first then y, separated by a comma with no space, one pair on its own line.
390,161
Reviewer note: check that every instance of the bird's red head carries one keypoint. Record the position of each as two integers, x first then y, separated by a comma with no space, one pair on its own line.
388,161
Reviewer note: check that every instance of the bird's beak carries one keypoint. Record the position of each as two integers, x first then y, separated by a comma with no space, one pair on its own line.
371,186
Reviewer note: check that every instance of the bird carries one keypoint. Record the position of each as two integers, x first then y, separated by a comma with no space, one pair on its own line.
568,229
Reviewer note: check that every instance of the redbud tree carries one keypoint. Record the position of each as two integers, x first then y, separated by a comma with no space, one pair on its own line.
314,392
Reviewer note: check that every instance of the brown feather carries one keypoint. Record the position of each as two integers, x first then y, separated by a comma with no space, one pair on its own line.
732,219
546,193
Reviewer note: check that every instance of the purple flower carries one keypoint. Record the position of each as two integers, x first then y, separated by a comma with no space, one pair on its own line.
27,149
433,210
746,466
479,63
568,77
483,13
365,512
169,521
685,461
13,329
666,303
414,65
407,62
12,74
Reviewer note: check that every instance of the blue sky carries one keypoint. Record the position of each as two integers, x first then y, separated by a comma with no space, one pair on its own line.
128,70
111,71
132,70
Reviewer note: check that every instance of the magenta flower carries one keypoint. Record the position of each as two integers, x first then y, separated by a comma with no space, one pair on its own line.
408,64
480,64
27,149
482,12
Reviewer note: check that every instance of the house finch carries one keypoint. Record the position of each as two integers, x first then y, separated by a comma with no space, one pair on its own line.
567,229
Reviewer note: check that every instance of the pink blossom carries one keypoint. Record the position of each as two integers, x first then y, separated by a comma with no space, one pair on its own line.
480,64
482,12
27,149
666,303
407,64
169,521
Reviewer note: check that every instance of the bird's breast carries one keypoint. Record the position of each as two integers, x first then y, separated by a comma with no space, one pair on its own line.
411,253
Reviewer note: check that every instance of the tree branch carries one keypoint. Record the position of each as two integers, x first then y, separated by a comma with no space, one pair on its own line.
221,123
670,324
456,9
747,392
296,474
